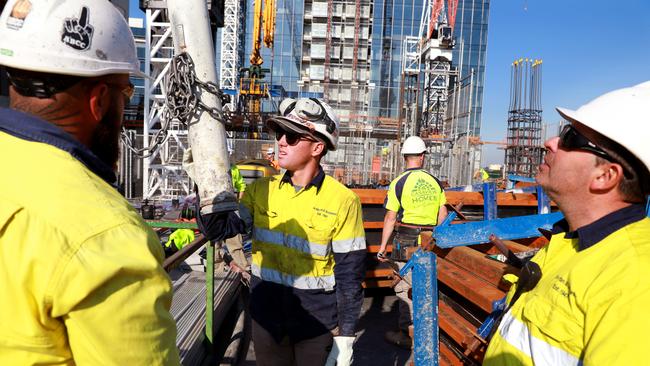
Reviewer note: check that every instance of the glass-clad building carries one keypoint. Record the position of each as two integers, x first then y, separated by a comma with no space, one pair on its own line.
470,52
298,57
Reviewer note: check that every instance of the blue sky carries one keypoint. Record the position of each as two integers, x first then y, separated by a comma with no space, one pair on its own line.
588,47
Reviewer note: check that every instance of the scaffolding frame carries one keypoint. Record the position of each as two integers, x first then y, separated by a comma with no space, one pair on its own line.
163,175
524,149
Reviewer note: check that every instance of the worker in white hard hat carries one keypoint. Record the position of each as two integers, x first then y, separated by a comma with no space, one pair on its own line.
414,205
82,276
308,246
270,156
589,303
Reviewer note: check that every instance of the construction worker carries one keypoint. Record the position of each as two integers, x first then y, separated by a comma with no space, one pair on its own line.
308,246
415,203
270,156
238,183
82,280
588,303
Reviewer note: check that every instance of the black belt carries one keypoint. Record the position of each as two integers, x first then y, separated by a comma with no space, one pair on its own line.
412,229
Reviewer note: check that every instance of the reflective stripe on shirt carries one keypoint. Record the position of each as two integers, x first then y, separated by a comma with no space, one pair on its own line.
349,245
518,335
299,282
290,241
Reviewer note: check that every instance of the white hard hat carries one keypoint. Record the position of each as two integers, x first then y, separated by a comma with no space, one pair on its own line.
413,146
622,116
308,115
70,37
270,151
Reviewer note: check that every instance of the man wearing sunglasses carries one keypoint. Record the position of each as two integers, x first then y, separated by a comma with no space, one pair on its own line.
590,304
82,280
308,246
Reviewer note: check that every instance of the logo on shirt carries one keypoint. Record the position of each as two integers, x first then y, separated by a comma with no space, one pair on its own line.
423,191
323,212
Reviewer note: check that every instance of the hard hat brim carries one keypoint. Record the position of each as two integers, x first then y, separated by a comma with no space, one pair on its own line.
282,123
573,117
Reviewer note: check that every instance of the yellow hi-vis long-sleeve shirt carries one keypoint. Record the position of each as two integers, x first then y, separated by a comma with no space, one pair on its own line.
591,304
308,256
81,281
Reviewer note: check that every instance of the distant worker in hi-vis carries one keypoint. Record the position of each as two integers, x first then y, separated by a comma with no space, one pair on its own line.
415,204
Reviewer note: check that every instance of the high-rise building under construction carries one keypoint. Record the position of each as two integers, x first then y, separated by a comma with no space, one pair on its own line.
349,52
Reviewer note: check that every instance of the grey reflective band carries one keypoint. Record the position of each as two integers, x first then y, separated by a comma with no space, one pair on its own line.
290,241
348,245
518,335
299,282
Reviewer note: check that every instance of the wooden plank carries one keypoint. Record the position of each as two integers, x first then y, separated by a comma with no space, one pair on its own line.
379,272
454,325
465,283
377,196
476,262
448,357
375,283
373,224
512,245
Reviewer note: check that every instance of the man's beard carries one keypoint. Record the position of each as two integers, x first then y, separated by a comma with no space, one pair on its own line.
105,141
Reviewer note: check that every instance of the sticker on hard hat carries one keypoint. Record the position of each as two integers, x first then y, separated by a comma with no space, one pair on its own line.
18,14
77,33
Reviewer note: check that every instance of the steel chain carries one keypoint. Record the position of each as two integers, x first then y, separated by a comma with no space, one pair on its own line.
181,101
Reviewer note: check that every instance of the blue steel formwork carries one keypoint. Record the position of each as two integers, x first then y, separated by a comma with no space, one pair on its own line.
425,276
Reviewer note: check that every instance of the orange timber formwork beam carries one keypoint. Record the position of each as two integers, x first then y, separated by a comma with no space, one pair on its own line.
377,196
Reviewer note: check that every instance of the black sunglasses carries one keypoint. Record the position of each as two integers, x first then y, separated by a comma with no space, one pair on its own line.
291,137
572,139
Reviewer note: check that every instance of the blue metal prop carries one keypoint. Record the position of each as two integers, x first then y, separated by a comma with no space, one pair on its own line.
543,202
478,232
425,307
489,201
497,308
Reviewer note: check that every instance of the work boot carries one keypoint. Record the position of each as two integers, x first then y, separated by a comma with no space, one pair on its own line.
399,338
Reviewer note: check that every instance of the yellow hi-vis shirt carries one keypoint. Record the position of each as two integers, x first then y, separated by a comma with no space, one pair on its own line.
416,196
81,281
308,254
591,304
296,233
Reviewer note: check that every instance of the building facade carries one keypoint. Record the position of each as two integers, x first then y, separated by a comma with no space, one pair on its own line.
470,53
371,80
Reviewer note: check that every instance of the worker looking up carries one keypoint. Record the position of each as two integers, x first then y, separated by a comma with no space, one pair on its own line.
415,203
82,280
308,246
590,304
270,156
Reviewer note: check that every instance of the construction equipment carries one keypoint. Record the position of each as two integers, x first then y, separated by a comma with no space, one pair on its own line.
252,86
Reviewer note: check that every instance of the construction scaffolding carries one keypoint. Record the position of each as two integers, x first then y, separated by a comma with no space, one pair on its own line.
524,150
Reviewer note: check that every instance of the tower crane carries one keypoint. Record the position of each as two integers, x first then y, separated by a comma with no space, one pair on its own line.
252,85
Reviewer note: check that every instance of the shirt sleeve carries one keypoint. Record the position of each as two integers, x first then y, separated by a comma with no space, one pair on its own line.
349,246
392,203
443,197
114,297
